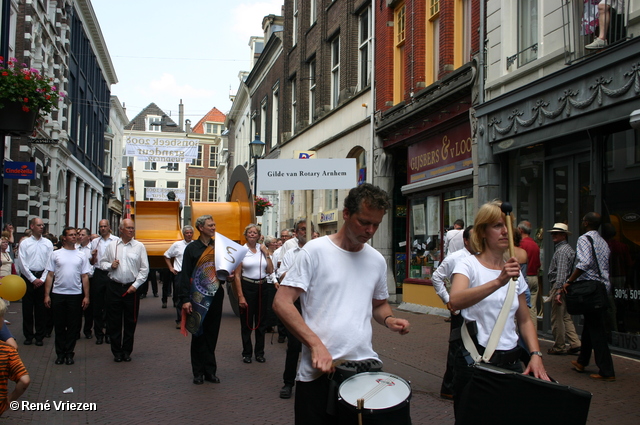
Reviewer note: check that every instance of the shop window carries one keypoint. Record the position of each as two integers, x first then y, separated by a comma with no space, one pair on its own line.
621,230
526,187
424,244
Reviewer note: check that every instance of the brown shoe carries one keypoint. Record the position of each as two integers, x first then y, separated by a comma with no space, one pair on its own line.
556,352
597,377
577,366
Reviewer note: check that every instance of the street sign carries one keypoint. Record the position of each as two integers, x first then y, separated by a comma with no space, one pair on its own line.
296,174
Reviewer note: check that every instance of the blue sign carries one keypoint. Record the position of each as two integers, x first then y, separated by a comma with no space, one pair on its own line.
20,170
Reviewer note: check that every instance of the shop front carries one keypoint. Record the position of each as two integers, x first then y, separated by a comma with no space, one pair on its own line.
562,147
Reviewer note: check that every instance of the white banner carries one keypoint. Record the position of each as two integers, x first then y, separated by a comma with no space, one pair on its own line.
160,193
162,150
229,255
300,174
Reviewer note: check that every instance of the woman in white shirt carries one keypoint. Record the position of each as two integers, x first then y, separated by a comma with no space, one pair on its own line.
479,288
250,287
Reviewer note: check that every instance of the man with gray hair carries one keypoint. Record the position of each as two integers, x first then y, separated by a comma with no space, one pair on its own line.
201,296
173,258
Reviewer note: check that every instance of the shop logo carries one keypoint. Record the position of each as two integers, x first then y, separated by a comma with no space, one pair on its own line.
631,217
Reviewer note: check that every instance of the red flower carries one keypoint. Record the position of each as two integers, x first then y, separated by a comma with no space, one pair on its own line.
4,74
25,108
25,100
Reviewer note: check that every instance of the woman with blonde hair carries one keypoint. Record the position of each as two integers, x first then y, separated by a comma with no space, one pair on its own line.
250,288
479,289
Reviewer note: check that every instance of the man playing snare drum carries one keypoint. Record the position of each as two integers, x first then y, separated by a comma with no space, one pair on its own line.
342,283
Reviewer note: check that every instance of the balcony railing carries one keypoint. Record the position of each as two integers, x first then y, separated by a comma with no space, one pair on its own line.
582,21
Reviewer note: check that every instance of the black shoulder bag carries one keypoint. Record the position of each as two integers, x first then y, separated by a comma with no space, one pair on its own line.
587,296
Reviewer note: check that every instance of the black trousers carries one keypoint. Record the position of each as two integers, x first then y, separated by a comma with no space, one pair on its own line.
98,293
176,298
34,313
253,318
447,380
167,284
122,316
203,347
67,320
294,346
594,337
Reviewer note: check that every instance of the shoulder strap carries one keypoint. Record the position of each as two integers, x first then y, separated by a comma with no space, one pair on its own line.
495,333
595,257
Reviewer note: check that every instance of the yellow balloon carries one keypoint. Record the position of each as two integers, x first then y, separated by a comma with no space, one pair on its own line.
12,287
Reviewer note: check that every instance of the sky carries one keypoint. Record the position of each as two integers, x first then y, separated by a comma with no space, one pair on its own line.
168,50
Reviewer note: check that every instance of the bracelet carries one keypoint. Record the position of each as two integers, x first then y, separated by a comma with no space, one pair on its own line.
385,319
535,353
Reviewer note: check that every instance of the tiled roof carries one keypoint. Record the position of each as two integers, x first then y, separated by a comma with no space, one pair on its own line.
138,123
213,115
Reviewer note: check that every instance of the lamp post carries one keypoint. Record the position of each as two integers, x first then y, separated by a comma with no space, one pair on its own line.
256,147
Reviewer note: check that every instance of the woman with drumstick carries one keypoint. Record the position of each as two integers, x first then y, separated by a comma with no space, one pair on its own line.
250,287
479,288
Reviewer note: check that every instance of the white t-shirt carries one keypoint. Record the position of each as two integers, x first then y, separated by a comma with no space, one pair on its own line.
254,265
176,251
453,241
486,312
68,265
339,287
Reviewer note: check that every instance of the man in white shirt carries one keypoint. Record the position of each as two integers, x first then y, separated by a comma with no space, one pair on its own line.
343,271
100,280
128,265
173,258
453,239
84,245
34,253
67,293
293,344
438,279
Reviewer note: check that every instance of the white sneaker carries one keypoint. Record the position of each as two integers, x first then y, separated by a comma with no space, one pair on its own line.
598,43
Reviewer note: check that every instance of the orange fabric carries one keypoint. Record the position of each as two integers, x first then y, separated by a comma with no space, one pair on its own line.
11,367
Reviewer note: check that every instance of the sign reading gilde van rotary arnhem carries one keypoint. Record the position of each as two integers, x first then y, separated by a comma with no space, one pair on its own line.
300,174
152,149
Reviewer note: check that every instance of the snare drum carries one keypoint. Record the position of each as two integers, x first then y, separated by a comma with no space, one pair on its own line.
386,398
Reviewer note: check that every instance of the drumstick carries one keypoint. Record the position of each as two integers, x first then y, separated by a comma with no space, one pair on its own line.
506,209
360,406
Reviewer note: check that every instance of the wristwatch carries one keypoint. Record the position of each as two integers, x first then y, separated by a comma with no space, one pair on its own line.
536,353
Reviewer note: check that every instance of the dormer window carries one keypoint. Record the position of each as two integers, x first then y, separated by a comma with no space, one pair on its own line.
154,123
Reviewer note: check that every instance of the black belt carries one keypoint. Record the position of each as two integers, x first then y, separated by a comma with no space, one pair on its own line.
503,357
123,284
257,282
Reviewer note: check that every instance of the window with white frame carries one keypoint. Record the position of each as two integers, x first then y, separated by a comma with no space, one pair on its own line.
127,160
173,166
364,49
294,36
213,156
263,120
312,90
213,190
527,31
335,72
107,157
312,12
154,123
172,184
150,166
293,105
148,183
275,107
195,189
197,162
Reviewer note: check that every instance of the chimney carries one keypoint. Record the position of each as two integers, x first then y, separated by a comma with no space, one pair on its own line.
181,114
187,124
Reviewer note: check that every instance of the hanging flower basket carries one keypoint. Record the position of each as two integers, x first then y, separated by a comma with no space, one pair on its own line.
13,119
261,205
25,94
